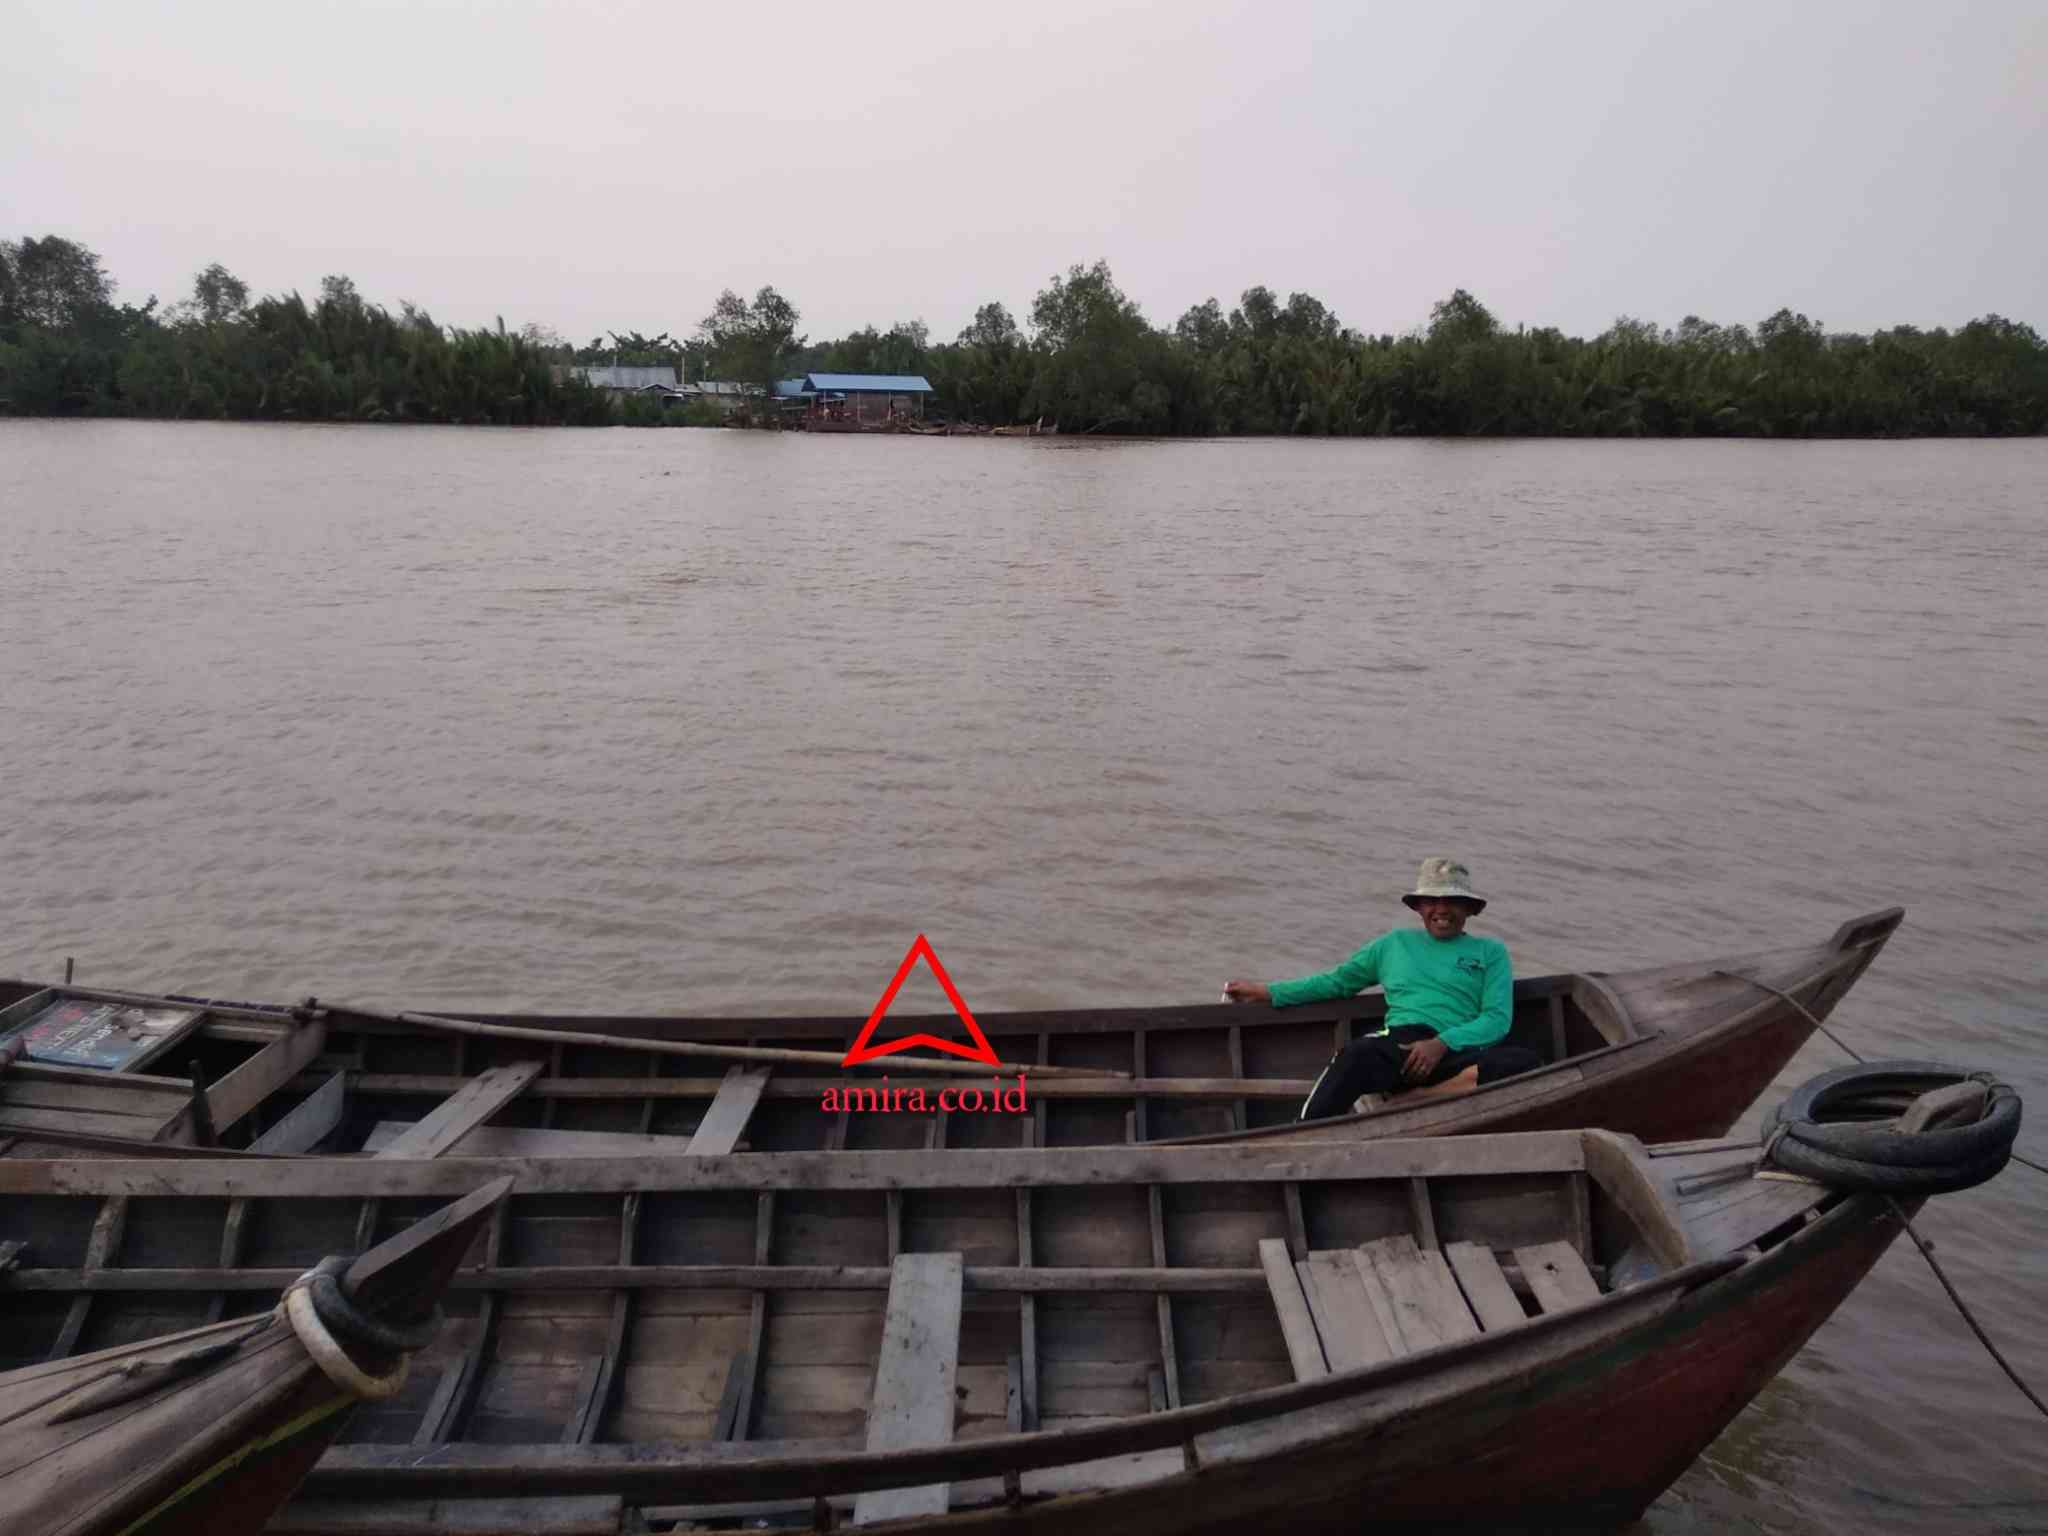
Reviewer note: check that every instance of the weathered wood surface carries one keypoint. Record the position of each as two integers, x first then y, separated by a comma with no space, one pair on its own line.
943,1066
725,1122
1290,1303
256,1079
914,1376
212,1395
1022,1280
309,1122
1557,1275
462,1112
1536,1152
1676,1022
1427,1307
1351,1330
523,1141
1485,1287
592,1515
709,1472
1282,1090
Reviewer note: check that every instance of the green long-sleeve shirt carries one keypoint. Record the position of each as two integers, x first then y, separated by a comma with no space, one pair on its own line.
1462,988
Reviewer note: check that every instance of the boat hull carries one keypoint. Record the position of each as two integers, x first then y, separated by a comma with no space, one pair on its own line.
1587,1442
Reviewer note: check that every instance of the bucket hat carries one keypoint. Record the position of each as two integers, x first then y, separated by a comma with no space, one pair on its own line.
1444,877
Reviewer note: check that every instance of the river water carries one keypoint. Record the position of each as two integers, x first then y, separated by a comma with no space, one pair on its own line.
718,722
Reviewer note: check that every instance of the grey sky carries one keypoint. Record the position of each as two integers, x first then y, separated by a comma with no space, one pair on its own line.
608,167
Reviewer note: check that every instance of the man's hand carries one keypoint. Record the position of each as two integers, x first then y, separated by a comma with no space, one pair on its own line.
1422,1059
1245,992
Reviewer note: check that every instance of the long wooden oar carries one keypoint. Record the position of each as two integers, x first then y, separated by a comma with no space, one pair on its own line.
771,1055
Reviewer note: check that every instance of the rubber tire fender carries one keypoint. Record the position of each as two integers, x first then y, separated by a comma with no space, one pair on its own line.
1996,1130
1879,1178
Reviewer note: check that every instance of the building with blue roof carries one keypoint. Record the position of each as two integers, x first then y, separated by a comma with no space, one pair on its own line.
854,402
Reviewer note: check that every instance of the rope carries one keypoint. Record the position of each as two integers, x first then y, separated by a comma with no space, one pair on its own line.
1926,1249
334,1362
2025,1162
1927,1253
1804,1011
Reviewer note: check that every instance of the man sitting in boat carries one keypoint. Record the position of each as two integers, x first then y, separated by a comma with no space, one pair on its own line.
1450,1000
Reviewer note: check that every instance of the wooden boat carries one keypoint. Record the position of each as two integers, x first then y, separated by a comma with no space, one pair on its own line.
1663,1053
1541,1328
207,1430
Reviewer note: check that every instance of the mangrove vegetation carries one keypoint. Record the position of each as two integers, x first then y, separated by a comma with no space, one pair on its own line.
1085,356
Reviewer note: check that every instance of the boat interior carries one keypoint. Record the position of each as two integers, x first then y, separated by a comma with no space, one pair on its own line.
240,1075
811,1305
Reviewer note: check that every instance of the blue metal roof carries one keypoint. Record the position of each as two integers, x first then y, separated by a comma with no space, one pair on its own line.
872,383
791,389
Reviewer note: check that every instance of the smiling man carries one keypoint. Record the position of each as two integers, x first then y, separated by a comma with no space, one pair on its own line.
1450,1000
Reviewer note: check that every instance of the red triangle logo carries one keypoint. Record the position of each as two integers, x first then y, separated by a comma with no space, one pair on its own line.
861,1051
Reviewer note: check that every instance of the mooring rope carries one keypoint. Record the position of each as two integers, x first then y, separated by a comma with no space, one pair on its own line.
1807,1014
1926,1248
297,1308
1927,1252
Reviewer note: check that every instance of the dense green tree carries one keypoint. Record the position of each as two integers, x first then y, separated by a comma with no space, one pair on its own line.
752,343
217,295
1093,362
52,282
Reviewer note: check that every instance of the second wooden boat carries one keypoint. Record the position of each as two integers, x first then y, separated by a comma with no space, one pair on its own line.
1664,1053
1541,1328
209,1430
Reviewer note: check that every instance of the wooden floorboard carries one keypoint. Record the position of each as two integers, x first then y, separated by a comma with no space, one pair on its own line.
1345,1318
1428,1307
1485,1287
914,1378
725,1122
463,1111
1297,1324
1557,1275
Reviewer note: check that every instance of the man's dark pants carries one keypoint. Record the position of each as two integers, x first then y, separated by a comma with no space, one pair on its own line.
1373,1065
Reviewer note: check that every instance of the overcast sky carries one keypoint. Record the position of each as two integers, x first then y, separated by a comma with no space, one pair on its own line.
598,167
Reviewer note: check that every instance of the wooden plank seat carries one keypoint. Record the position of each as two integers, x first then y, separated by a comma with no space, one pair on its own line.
1297,1326
1557,1275
525,1141
463,1111
914,1378
1353,1330
725,1122
1413,1289
1486,1288
1346,1309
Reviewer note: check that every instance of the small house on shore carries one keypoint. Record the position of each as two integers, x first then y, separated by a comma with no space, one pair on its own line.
622,380
852,402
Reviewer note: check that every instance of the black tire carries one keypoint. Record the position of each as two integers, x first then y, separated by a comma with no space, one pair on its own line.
1878,1178
1848,1155
348,1321
1995,1132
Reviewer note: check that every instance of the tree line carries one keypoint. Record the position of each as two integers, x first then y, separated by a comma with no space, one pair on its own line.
1087,358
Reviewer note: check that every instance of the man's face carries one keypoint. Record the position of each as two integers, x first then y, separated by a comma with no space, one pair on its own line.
1443,916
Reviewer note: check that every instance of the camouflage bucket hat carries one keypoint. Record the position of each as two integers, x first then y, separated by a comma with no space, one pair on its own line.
1444,877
